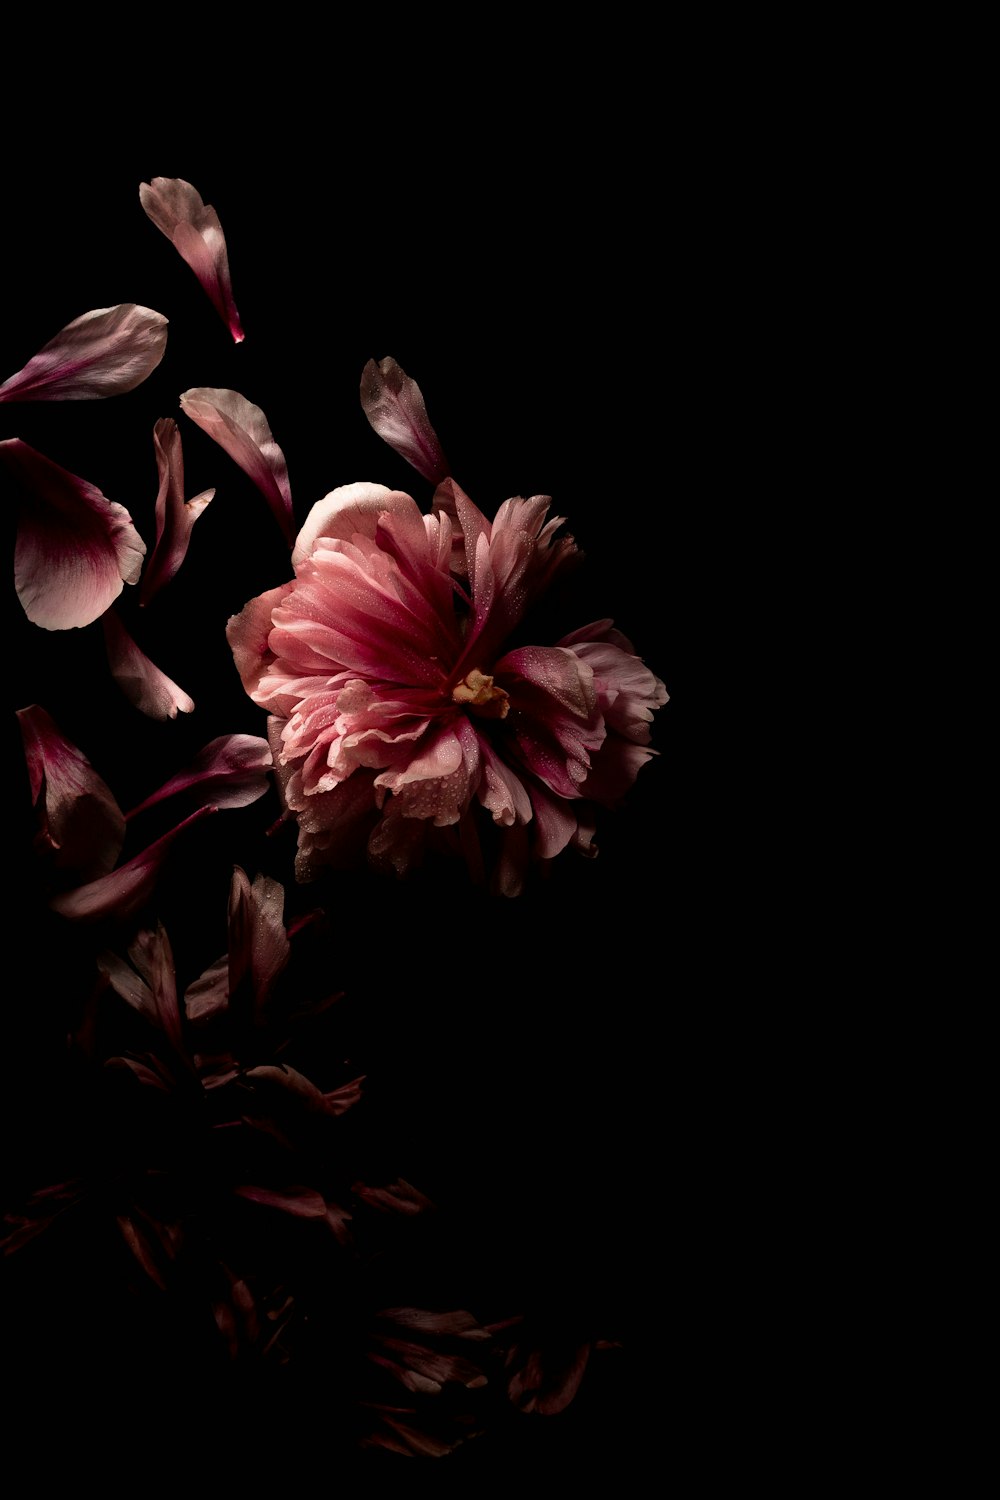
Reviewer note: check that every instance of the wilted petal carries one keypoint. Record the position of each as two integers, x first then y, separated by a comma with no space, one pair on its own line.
103,353
301,1202
241,429
81,823
144,685
74,550
124,891
394,406
231,771
175,517
193,227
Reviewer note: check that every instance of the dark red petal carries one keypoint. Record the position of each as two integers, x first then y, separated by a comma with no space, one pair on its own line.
81,823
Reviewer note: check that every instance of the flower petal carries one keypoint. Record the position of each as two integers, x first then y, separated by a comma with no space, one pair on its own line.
547,1380
193,227
81,823
234,768
175,517
241,429
302,1202
258,942
394,406
344,512
397,1198
124,891
103,353
247,634
74,548
144,685
148,982
559,723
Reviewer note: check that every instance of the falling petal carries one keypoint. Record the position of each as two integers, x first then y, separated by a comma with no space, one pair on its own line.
124,891
546,1381
175,517
395,407
241,429
193,228
74,550
40,1213
258,943
81,823
103,353
301,1202
399,1198
144,685
148,982
234,768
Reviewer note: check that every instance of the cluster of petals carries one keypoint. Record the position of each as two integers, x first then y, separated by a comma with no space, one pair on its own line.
401,710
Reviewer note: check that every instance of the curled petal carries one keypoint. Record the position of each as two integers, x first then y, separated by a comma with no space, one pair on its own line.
175,517
81,823
348,511
103,353
124,891
394,406
233,769
241,429
247,634
193,228
208,996
144,685
75,549
148,982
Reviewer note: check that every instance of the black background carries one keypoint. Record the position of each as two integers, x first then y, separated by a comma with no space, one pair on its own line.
533,1063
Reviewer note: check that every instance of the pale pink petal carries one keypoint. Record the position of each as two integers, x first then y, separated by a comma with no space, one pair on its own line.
628,692
437,782
81,823
193,227
353,509
247,634
124,891
175,517
258,942
144,685
394,406
74,548
301,1202
103,353
241,429
233,769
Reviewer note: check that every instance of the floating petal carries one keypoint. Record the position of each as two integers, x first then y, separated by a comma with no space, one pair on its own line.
74,550
103,353
193,227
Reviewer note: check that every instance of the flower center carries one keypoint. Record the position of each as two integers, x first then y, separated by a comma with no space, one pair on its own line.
477,693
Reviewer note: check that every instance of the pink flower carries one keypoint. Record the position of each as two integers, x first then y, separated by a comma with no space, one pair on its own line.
401,714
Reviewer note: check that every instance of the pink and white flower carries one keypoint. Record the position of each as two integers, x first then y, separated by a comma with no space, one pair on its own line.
401,714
